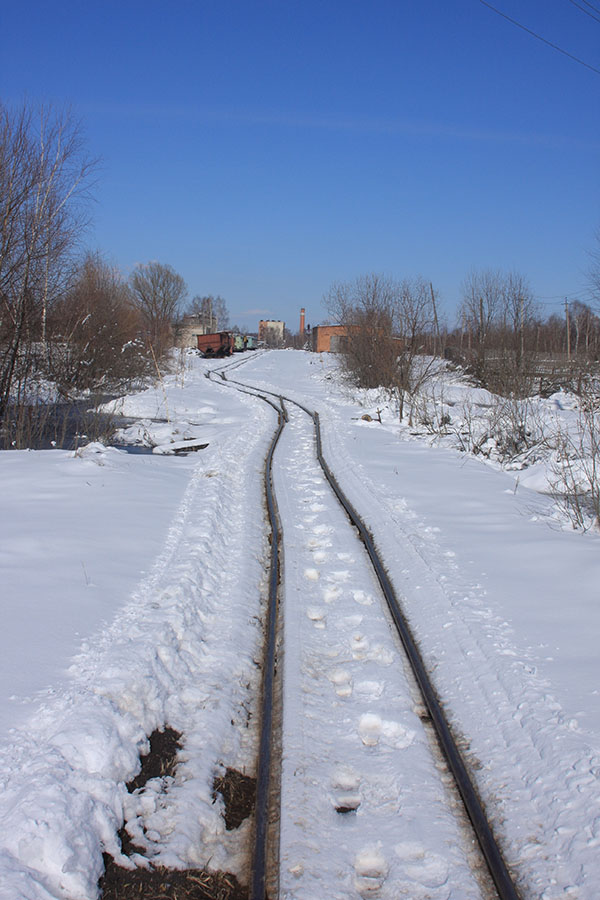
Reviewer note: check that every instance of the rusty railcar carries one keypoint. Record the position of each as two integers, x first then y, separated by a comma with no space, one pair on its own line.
221,343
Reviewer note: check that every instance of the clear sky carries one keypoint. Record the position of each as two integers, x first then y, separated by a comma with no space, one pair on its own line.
266,149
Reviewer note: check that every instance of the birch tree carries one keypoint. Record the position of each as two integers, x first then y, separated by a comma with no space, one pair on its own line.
45,177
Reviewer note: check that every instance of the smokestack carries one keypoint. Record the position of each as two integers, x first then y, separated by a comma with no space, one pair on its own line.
302,321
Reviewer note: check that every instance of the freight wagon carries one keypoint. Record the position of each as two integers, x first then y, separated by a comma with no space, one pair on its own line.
219,344
243,342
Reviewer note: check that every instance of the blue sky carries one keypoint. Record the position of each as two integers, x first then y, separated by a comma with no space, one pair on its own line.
268,149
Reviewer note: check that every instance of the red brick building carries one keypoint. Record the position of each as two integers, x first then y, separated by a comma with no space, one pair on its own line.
328,338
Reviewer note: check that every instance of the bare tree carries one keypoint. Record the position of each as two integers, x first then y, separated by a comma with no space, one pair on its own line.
584,327
44,181
594,270
415,319
385,322
156,292
519,313
499,315
481,307
366,308
212,312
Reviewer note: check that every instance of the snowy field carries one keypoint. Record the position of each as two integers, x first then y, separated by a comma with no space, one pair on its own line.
132,585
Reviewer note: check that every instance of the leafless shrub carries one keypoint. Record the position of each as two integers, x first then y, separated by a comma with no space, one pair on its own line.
95,331
431,411
508,429
517,429
51,423
576,467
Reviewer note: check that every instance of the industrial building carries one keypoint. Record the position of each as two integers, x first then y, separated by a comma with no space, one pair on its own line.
328,338
271,332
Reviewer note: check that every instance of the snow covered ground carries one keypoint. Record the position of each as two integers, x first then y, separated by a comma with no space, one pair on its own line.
131,588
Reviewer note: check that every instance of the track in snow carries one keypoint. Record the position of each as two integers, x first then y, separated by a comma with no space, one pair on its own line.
348,794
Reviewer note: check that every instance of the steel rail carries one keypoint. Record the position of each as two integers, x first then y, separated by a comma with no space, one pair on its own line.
470,797
264,774
258,885
497,868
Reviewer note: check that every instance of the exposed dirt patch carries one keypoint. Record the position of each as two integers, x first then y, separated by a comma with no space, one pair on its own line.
156,882
161,760
239,795
168,884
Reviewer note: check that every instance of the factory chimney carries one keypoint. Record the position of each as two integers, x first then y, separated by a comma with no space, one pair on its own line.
302,321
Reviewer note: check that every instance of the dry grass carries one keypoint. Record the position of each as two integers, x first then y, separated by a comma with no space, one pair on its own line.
161,760
169,884
239,796
159,883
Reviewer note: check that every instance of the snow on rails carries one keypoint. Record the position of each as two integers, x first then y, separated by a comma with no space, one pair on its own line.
340,761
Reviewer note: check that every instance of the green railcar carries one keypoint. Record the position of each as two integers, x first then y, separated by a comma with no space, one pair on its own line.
243,342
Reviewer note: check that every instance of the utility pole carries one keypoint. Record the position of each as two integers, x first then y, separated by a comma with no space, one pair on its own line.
568,330
482,337
435,320
521,317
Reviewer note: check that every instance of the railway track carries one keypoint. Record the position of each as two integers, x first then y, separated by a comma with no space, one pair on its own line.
358,708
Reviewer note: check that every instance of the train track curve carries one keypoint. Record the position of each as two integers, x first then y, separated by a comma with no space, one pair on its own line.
264,852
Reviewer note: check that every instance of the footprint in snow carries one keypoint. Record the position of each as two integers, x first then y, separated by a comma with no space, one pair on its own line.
317,616
382,655
341,680
370,871
346,802
319,557
322,529
369,688
397,735
311,574
410,851
351,621
428,869
345,778
331,594
340,576
345,784
362,597
369,729
359,646
373,730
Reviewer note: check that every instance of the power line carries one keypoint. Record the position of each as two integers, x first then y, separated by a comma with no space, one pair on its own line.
581,294
591,6
585,299
584,10
540,38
